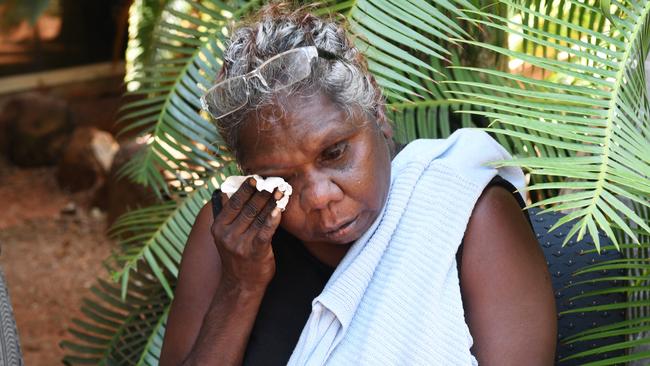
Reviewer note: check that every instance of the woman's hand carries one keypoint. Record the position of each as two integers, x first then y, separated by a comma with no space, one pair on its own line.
242,233
227,264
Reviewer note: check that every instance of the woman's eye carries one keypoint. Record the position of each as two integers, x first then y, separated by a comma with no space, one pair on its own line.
335,152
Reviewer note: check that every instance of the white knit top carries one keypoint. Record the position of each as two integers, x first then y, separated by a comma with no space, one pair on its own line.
395,298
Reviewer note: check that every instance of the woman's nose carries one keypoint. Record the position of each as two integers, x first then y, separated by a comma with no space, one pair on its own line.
319,190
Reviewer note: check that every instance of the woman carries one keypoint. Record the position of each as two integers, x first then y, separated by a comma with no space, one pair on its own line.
426,257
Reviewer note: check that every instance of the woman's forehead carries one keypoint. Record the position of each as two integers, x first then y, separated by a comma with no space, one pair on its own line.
297,132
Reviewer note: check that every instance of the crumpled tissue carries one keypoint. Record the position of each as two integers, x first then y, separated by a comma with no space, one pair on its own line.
233,182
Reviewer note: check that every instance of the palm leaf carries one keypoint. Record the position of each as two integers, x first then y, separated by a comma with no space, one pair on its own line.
570,12
408,44
144,16
602,116
180,140
119,333
126,322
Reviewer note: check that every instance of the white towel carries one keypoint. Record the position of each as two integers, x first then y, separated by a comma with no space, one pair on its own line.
395,298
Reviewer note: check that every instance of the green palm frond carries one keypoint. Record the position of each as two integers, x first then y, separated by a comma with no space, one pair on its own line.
381,34
601,115
433,116
144,16
570,12
634,330
180,139
157,235
114,332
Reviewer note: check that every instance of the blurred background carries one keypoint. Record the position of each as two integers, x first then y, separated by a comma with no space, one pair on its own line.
61,84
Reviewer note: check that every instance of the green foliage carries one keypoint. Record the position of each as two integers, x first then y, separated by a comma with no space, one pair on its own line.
170,87
602,118
575,115
116,332
143,19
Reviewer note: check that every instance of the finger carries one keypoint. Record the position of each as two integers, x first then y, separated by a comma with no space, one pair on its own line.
224,199
259,221
236,202
250,210
265,234
250,236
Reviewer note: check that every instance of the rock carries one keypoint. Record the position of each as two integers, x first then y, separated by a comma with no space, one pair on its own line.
119,194
86,160
37,128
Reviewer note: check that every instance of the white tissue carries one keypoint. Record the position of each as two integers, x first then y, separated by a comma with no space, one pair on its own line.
233,182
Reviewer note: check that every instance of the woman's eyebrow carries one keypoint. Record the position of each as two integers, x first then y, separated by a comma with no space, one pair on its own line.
338,134
329,140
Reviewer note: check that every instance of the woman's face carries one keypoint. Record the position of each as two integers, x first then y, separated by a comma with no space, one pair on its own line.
339,167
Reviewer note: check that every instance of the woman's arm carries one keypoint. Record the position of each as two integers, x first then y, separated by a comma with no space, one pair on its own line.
225,268
207,321
506,286
197,283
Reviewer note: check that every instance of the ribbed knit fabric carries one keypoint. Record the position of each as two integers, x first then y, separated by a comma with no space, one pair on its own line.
395,298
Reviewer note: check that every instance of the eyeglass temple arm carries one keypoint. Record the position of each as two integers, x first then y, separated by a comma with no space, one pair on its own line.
255,73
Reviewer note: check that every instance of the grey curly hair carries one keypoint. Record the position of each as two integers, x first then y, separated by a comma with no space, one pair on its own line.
275,29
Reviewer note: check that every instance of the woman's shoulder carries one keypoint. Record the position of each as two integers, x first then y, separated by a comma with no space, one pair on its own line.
506,288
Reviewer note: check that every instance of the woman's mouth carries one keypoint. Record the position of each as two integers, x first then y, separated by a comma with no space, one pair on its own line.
343,230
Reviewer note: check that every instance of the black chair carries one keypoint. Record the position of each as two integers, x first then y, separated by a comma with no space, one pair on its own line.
562,263
10,354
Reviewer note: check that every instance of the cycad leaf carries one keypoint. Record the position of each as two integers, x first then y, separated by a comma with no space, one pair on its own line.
180,138
119,333
610,125
144,16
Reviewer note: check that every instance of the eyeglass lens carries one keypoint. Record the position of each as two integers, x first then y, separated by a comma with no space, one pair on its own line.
226,97
278,72
287,69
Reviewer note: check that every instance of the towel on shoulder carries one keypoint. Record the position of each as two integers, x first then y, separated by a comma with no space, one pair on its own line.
395,298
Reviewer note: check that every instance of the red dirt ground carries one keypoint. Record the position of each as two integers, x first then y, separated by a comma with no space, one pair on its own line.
50,258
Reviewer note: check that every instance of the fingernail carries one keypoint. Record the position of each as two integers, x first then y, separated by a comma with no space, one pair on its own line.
275,212
252,182
277,195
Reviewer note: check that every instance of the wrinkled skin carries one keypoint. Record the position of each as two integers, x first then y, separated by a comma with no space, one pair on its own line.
338,165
